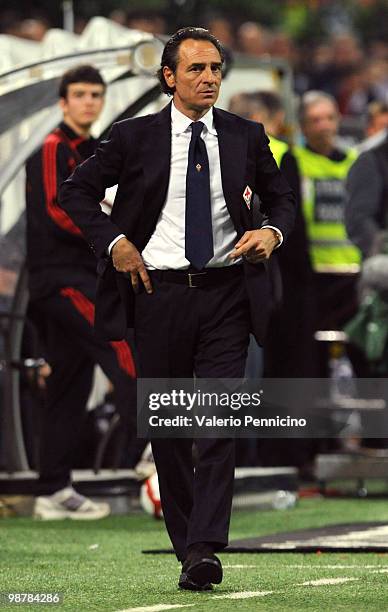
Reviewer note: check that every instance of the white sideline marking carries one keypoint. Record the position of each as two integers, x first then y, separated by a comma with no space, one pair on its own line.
157,608
304,567
251,594
243,595
326,581
240,566
300,566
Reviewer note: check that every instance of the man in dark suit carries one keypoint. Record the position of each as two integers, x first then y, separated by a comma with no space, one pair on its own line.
181,258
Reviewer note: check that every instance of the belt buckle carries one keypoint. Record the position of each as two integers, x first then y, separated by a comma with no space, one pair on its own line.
191,274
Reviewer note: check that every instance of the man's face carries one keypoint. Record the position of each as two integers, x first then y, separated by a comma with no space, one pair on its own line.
321,125
83,104
378,123
197,78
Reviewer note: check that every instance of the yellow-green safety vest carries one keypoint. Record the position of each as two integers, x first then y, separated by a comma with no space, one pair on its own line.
323,204
278,148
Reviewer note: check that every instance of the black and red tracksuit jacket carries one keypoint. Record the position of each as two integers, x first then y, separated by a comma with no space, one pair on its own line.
57,253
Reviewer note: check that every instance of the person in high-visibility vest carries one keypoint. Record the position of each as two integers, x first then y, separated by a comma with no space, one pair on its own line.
288,348
323,167
288,355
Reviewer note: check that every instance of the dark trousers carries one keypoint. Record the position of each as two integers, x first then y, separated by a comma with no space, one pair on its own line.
180,331
336,299
65,320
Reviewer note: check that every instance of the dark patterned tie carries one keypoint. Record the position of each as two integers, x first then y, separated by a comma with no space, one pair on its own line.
198,222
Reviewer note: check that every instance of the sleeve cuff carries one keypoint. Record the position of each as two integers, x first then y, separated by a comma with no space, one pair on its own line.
110,247
278,233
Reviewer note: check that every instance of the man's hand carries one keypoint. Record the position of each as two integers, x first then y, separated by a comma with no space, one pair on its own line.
255,245
126,258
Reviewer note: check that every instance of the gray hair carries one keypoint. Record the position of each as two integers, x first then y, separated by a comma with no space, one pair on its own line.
312,97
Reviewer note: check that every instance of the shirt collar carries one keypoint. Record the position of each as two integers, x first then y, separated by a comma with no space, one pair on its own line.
180,122
70,133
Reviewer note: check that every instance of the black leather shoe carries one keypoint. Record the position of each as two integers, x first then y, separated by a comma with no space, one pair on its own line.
201,565
189,585
204,570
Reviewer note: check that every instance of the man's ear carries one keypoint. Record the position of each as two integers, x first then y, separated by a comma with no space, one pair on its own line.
62,104
169,76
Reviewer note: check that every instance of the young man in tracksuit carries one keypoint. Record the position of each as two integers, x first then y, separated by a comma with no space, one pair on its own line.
62,279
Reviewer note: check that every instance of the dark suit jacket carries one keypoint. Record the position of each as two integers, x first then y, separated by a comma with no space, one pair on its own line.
137,158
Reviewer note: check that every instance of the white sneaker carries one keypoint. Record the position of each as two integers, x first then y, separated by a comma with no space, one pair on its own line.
67,503
146,465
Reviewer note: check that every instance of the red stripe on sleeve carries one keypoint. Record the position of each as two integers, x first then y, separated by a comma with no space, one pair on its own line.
49,166
86,308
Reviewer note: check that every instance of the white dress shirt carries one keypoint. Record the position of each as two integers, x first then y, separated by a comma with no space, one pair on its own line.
166,247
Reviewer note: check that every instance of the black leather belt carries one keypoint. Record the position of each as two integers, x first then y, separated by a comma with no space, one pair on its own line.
205,278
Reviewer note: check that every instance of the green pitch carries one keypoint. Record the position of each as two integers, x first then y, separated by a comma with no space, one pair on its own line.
99,565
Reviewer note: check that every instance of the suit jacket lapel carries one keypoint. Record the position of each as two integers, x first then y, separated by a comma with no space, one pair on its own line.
232,142
156,156
156,159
